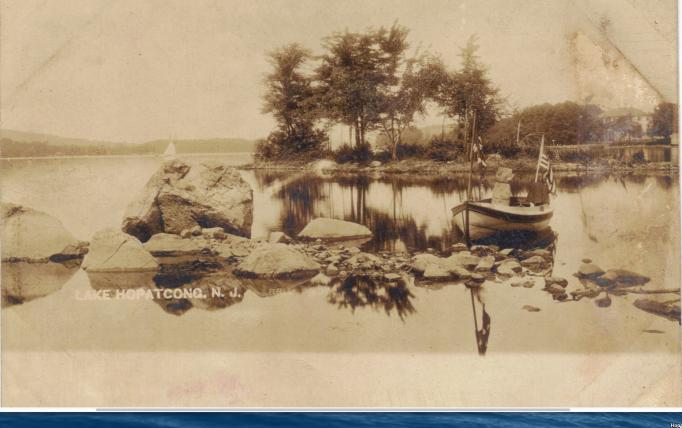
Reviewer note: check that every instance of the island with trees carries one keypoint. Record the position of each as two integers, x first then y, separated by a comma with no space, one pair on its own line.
368,83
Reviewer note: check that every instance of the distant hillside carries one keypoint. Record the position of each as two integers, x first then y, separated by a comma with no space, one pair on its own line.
29,144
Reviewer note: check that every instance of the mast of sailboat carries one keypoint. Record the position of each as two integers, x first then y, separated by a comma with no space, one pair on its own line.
542,146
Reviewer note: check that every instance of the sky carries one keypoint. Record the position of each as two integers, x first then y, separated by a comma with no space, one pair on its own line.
148,69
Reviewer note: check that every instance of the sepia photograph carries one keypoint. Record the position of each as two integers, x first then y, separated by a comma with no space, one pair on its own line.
325,204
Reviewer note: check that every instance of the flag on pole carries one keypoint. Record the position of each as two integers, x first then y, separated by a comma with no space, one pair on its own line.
477,150
545,166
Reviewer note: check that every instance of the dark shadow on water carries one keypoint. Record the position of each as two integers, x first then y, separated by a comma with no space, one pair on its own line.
523,240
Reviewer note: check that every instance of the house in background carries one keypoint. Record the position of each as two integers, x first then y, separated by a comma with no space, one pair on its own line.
625,123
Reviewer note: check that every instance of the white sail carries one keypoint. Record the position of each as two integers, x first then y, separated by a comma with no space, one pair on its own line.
170,151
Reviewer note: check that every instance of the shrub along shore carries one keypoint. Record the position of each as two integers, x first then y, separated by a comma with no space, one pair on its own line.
435,168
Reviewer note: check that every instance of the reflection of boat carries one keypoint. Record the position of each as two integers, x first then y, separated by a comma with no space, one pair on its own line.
486,218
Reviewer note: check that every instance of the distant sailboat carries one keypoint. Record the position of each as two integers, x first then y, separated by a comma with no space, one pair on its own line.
170,151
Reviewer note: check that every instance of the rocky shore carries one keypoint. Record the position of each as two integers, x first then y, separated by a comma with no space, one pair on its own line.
190,227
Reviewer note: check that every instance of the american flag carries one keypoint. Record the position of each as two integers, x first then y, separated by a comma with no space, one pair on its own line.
477,150
547,173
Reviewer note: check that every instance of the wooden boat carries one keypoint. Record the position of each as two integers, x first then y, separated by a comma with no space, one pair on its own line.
483,218
486,219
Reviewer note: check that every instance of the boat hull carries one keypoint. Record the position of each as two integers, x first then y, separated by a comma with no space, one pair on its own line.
486,219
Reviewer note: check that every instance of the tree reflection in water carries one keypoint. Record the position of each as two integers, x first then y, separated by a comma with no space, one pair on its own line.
394,224
361,291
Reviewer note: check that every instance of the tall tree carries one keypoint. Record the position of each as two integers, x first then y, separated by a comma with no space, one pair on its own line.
289,98
355,71
401,103
664,120
468,91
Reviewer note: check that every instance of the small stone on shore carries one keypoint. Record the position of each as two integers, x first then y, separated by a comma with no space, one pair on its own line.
485,264
509,267
556,280
589,270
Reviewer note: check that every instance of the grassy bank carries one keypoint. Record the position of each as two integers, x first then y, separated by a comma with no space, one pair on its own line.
431,167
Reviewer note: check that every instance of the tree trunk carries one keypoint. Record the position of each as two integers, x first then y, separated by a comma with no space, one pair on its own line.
358,138
362,131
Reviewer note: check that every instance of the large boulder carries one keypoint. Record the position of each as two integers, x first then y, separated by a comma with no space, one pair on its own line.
277,261
334,230
29,235
180,196
114,251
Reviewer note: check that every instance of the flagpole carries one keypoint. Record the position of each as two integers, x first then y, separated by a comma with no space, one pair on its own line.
542,146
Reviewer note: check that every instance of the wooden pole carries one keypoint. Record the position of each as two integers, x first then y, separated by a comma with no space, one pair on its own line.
518,132
467,234
542,146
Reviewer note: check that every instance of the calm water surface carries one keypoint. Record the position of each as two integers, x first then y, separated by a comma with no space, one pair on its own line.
620,222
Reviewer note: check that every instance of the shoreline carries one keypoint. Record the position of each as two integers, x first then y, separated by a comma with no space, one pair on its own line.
430,167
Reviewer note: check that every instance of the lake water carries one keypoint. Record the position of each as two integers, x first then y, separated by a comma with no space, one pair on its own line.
629,221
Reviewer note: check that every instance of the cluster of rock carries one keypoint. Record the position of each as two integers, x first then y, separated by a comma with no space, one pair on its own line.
619,282
180,196
342,261
196,220
481,263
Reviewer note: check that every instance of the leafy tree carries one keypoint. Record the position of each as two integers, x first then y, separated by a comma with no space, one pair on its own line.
566,123
664,120
400,104
468,91
289,98
354,72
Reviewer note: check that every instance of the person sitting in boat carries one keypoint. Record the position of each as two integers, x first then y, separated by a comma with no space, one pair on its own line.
502,189
538,194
